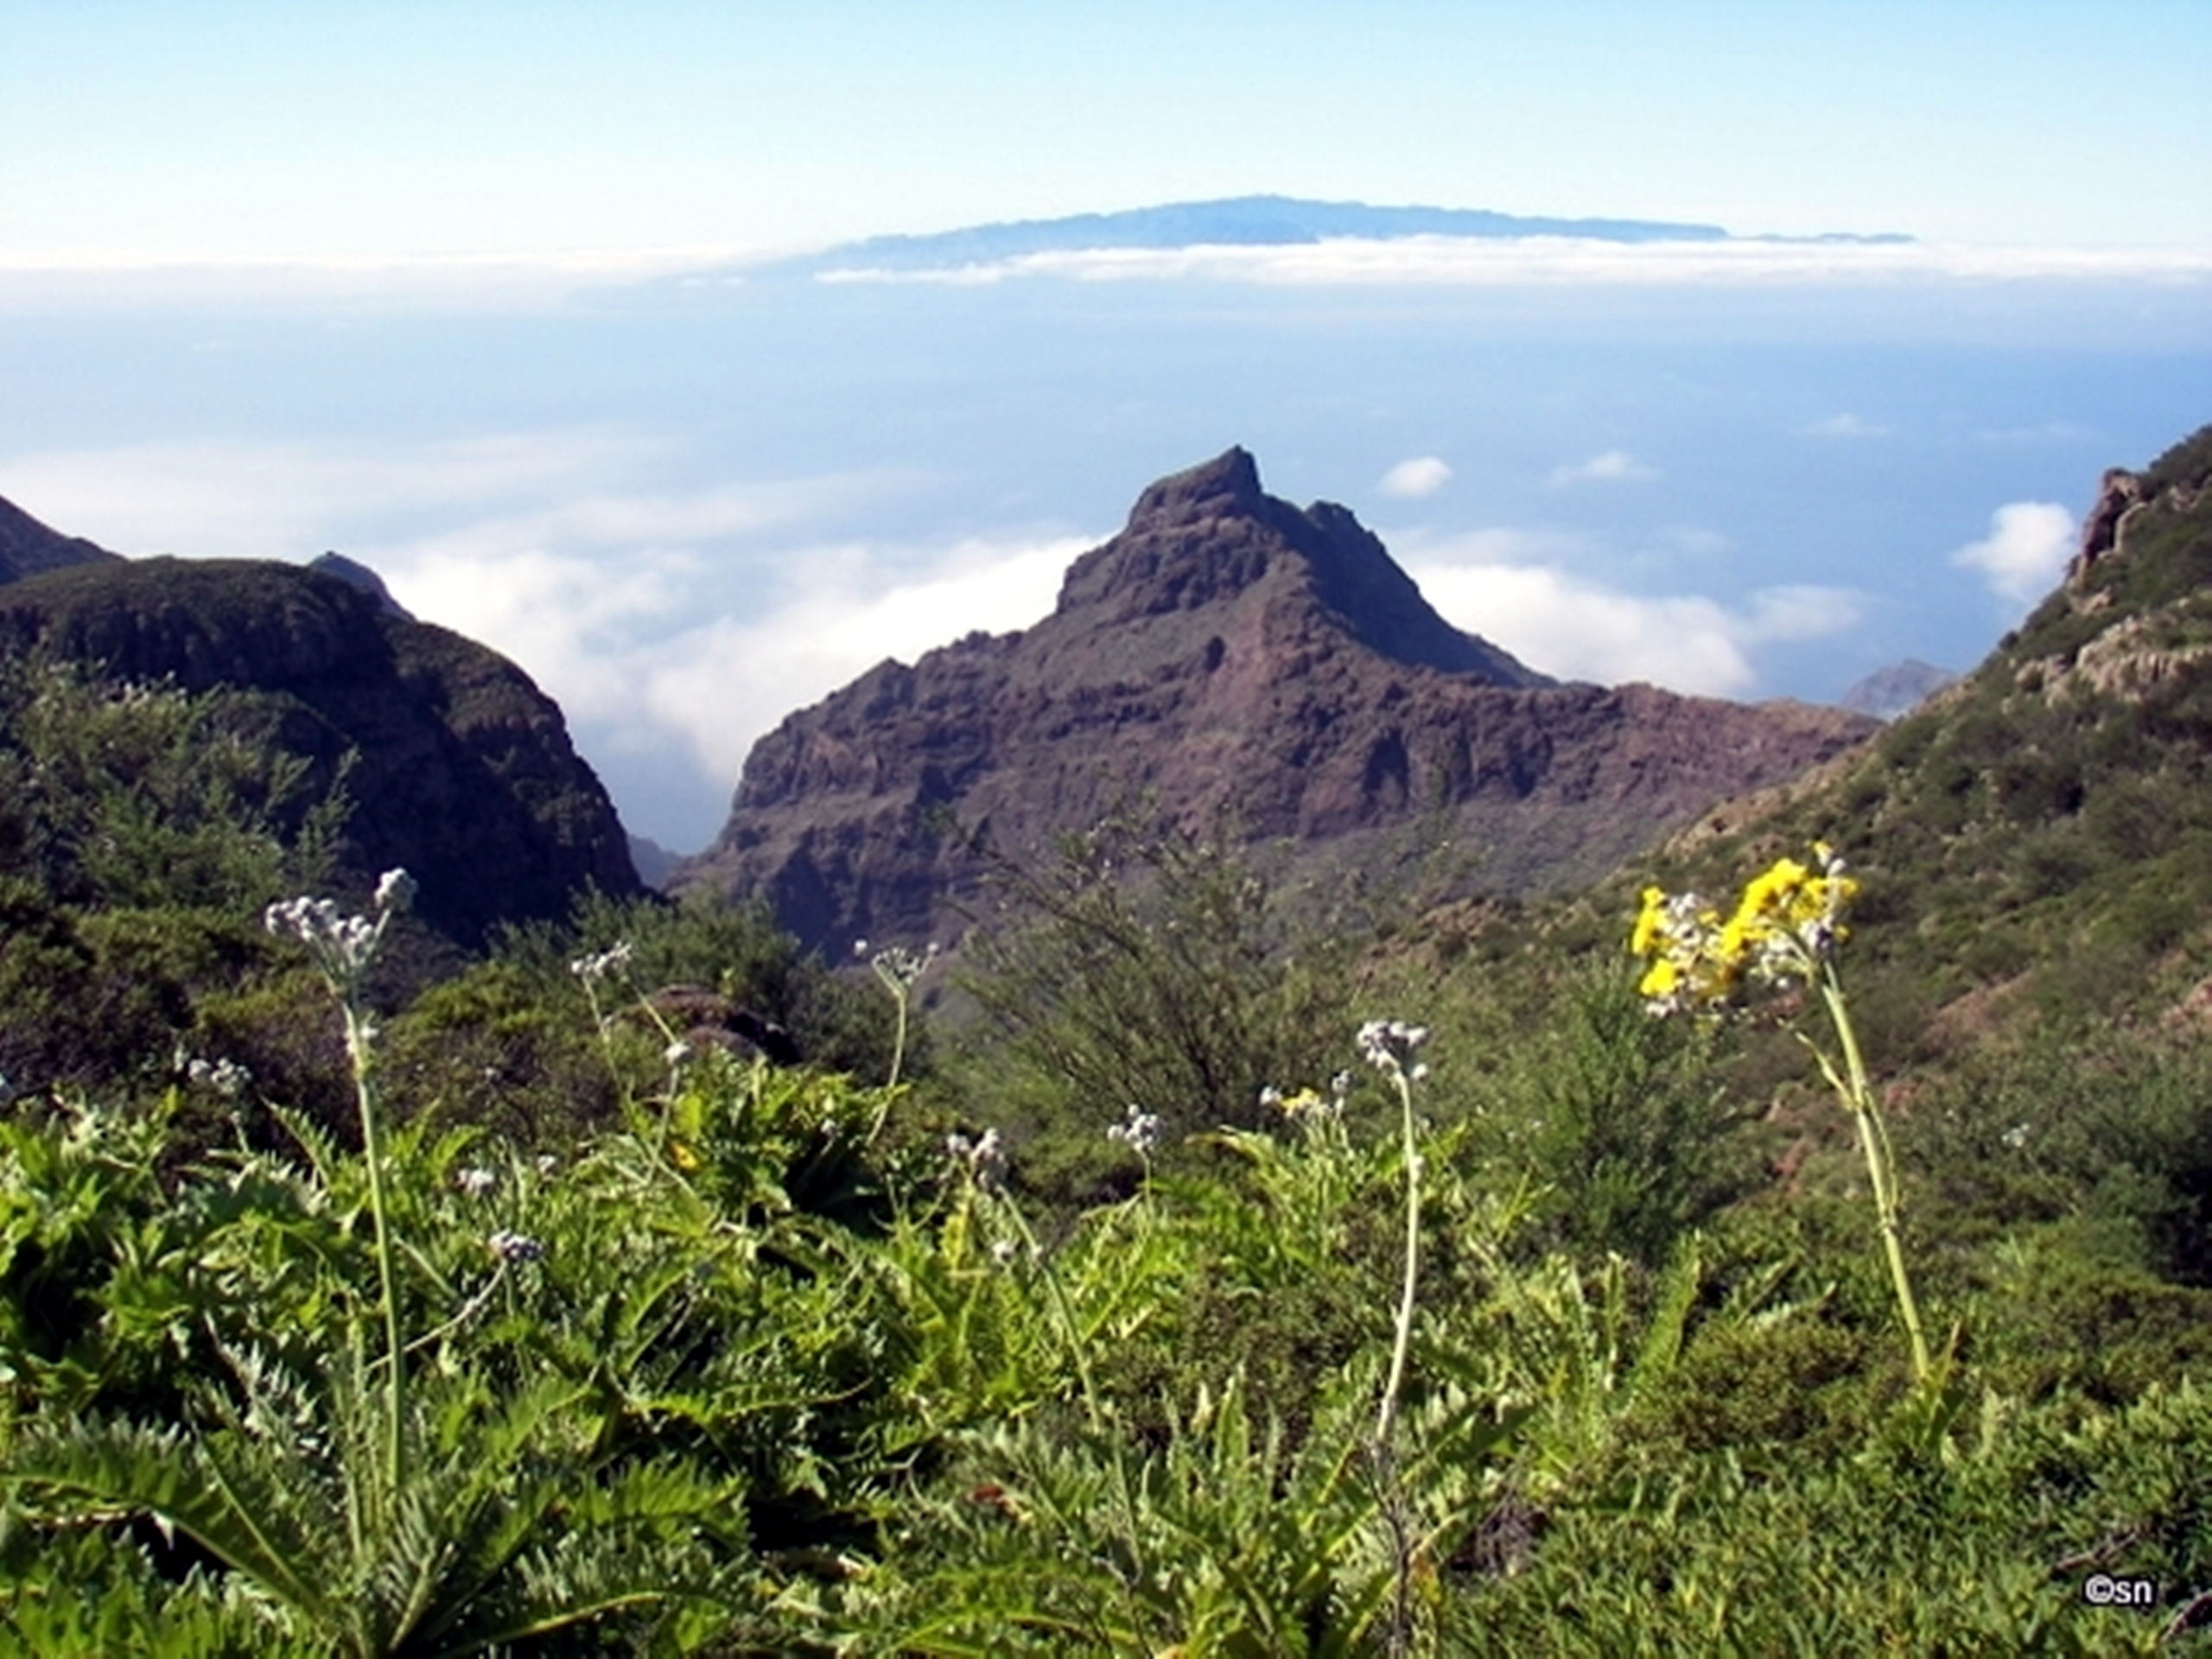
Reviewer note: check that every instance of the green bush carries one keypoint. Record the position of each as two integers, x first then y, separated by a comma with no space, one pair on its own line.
1616,1118
1160,970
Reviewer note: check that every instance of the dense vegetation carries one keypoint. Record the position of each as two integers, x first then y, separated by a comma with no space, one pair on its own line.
1226,1280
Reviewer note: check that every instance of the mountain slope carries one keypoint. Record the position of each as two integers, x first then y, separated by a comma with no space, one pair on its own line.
2036,839
463,773
1230,656
28,547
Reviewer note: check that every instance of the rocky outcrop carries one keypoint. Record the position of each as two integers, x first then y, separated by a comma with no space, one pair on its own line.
454,765
28,547
2120,492
1229,657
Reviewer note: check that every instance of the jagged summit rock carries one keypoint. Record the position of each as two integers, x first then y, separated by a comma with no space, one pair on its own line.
1212,534
28,547
1226,656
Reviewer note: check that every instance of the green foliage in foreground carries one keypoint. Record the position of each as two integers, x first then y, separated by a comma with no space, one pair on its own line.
762,1383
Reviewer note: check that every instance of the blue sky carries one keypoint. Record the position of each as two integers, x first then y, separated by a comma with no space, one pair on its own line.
184,130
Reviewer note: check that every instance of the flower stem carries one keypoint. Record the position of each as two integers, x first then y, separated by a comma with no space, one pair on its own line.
1881,1172
898,1043
1387,1416
1390,1488
358,1048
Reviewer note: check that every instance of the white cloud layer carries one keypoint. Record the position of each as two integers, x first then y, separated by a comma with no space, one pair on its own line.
1482,262
722,683
33,284
2028,546
1423,475
1509,587
288,501
1614,467
684,619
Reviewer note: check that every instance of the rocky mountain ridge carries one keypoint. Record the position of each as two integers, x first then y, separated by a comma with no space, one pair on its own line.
1229,657
29,548
455,766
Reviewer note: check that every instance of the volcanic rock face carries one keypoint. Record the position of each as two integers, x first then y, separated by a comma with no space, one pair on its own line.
462,771
1231,658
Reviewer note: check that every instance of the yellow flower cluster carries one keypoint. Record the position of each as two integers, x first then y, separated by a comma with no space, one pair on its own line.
1787,923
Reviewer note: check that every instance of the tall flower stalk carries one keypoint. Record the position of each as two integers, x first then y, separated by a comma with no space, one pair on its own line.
900,970
1388,1045
343,949
1784,930
1852,1088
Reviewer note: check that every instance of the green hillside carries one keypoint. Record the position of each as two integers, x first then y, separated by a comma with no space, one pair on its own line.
2036,842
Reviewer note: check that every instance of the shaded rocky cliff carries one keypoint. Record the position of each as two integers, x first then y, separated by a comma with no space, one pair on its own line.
1227,653
462,771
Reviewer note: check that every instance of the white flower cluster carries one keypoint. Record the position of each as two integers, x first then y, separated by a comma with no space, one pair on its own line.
1388,1045
226,1077
985,1156
593,968
475,1183
895,965
515,1247
342,946
1139,1130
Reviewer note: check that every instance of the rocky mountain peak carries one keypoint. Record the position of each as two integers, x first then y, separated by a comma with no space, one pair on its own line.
2119,494
355,574
1205,538
1889,693
1192,539
1227,484
1227,657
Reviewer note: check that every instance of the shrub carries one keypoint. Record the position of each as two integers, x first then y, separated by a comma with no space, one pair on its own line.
1156,967
1616,1118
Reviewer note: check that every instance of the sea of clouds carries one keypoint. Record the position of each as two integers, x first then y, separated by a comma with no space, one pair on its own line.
682,572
